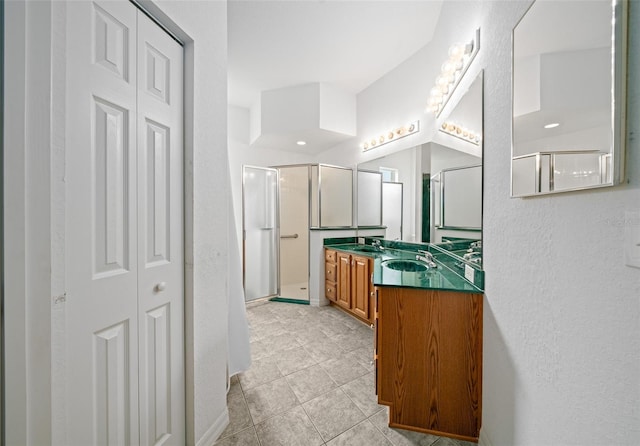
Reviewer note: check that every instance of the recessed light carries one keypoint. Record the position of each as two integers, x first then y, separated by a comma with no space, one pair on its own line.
552,125
301,143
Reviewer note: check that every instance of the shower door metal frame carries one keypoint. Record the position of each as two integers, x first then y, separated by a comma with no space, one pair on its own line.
309,185
277,231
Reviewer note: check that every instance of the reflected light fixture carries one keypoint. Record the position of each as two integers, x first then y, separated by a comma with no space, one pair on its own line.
301,143
461,132
460,57
391,135
552,125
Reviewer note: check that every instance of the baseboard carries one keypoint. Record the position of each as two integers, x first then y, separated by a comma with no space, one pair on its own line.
216,429
484,439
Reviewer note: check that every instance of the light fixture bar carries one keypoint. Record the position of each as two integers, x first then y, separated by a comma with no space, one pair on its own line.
460,132
452,71
391,135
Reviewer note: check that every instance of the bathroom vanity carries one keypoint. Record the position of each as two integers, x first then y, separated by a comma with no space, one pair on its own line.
349,283
428,330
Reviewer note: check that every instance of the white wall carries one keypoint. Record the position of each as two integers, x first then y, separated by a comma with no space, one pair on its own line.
562,313
34,210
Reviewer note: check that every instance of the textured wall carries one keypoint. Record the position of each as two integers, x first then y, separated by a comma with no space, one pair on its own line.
562,319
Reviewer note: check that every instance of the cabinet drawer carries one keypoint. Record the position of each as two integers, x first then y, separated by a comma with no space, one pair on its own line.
331,272
330,255
330,291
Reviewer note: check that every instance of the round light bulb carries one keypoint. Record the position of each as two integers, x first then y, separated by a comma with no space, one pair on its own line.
448,67
456,51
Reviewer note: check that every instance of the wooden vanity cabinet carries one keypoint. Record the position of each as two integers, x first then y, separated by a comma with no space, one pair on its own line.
331,274
428,350
352,286
361,286
344,280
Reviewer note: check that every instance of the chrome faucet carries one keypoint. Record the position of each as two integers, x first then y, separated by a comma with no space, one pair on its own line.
377,245
427,258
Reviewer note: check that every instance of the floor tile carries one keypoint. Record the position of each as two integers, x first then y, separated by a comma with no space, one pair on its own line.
333,413
262,371
444,441
292,428
363,393
323,349
246,437
364,355
293,359
239,417
310,383
270,399
308,335
363,434
278,342
344,369
400,437
267,329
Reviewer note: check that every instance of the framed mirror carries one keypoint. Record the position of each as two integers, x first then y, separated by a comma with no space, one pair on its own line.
568,103
454,152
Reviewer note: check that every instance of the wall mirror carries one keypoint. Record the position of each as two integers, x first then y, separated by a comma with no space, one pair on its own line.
455,147
569,80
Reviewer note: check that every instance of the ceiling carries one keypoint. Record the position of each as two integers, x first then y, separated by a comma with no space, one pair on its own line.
345,44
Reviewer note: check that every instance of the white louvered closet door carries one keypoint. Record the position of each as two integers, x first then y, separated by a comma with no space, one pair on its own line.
124,232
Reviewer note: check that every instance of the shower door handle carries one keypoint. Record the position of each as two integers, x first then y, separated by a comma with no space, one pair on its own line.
289,236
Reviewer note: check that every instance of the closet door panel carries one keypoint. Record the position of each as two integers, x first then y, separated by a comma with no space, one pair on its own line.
101,225
160,230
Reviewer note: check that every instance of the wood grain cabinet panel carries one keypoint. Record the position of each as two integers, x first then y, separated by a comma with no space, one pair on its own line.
360,284
349,283
330,275
344,280
429,360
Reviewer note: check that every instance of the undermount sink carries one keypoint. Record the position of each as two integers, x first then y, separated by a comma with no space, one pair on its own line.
405,265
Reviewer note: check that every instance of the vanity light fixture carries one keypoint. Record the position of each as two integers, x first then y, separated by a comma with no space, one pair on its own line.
301,143
452,70
552,125
391,135
461,132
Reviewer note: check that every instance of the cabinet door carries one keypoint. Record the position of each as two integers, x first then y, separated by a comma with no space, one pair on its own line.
360,286
344,280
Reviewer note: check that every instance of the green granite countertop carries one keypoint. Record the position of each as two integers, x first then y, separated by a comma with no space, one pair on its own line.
441,278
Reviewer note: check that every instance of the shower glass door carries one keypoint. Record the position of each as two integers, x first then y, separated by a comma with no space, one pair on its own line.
294,232
260,229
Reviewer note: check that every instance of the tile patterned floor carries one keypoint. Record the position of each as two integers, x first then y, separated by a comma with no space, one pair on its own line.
311,383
